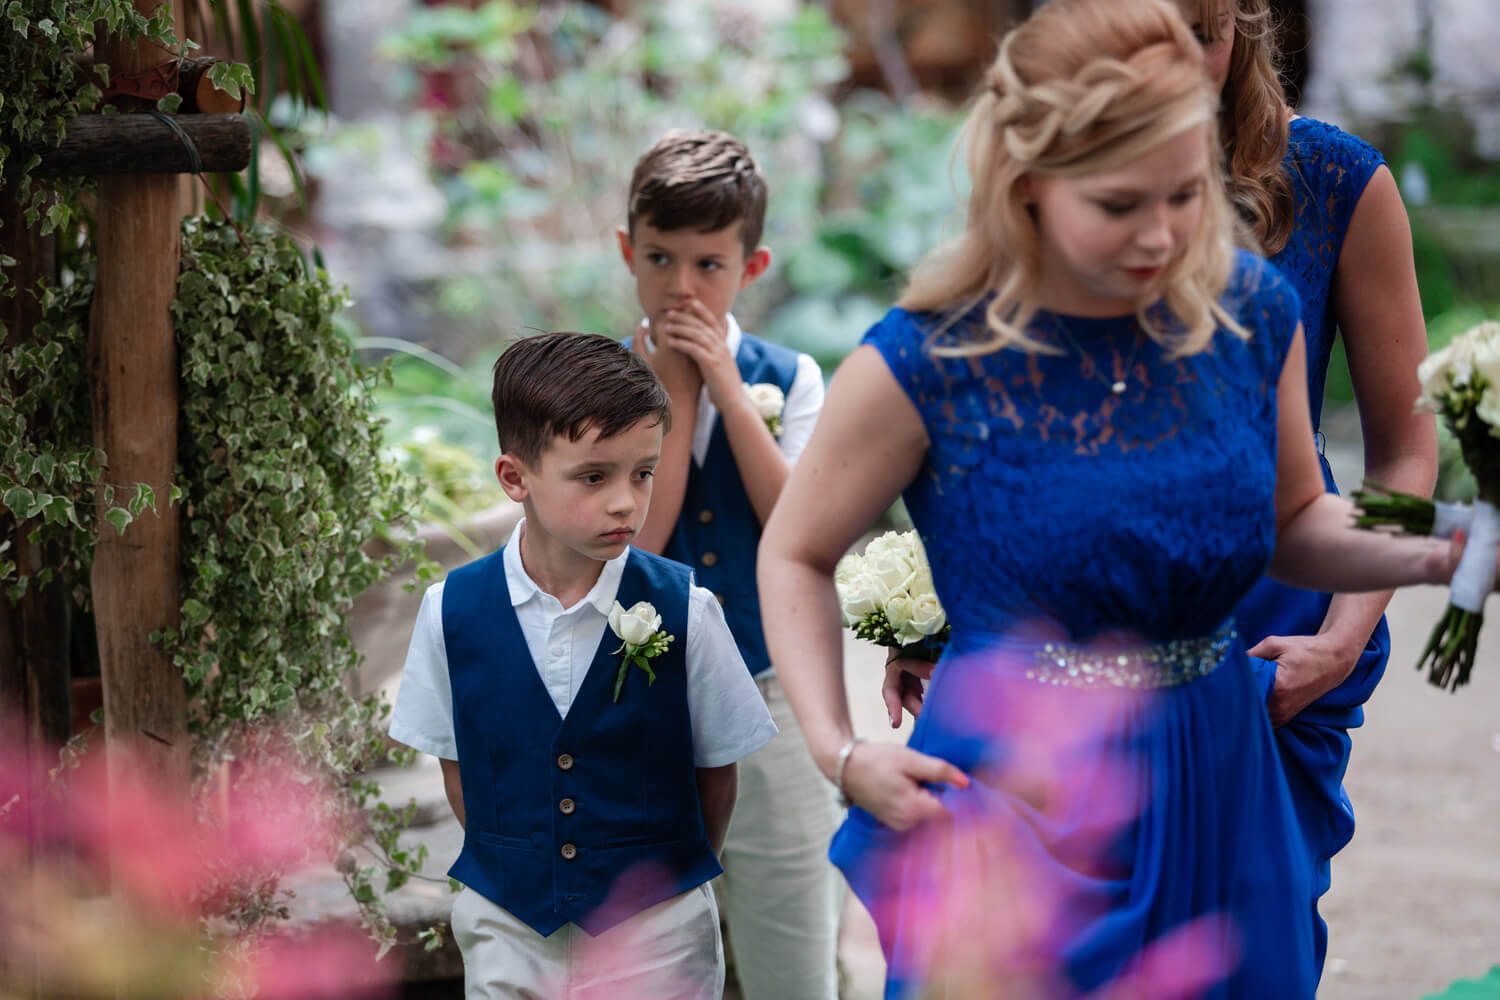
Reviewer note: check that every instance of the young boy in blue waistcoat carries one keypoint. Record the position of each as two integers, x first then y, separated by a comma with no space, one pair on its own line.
743,409
586,700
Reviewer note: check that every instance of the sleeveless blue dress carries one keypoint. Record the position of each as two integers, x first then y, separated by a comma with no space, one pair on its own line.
1329,170
1075,535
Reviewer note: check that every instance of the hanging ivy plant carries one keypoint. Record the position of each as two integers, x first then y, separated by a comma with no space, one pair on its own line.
281,484
44,82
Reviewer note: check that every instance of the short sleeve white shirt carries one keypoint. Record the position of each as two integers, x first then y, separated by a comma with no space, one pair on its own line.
728,715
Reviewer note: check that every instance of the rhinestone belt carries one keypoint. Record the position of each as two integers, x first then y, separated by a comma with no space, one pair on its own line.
1158,665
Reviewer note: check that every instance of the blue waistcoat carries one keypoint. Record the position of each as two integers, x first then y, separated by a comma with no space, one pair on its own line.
717,532
557,810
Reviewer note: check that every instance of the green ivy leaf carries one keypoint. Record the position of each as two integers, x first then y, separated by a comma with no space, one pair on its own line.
119,517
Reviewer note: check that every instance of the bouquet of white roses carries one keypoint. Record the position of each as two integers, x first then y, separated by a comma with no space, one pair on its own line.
1461,383
887,597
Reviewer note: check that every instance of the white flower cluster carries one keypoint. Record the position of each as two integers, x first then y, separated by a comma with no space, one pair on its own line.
886,593
769,401
1465,374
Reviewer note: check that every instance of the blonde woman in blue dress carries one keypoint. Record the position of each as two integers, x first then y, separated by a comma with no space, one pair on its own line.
1096,411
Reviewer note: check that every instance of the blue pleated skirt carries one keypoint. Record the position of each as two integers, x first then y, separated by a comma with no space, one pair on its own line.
1110,839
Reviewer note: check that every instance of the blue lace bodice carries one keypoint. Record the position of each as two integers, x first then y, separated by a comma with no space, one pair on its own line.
1329,170
1046,499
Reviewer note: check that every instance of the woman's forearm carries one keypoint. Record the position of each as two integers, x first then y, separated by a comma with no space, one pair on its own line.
1319,549
800,608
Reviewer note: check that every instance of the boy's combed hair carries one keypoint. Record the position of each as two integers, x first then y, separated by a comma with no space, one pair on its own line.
565,383
703,181
1080,87
1254,124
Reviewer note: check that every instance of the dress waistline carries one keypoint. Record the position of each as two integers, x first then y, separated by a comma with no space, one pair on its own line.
1140,667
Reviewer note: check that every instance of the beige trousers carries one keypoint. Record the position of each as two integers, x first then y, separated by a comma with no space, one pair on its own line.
670,951
779,892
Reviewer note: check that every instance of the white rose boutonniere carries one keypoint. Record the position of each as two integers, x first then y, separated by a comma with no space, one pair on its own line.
639,630
769,401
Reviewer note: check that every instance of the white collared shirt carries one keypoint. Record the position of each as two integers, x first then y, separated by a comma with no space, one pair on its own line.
729,718
803,401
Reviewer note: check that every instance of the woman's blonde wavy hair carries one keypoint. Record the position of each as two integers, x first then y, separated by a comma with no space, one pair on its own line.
1253,123
1080,87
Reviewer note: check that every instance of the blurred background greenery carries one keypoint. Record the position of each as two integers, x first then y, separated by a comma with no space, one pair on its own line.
523,121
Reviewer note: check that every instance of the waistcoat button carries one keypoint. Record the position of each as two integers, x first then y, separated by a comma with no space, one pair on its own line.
705,517
709,559
565,762
566,807
569,852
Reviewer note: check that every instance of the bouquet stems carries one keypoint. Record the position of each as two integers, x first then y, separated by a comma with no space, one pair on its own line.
1379,507
1450,651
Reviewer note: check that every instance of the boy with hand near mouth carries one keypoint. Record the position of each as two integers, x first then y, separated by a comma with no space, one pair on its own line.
744,408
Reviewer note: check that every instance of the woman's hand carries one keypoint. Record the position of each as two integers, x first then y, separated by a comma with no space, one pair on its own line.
1307,668
905,687
886,780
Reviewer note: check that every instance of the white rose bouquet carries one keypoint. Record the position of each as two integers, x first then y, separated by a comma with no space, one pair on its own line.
769,401
887,597
639,630
1461,383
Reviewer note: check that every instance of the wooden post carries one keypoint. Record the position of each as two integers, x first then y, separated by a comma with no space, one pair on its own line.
133,371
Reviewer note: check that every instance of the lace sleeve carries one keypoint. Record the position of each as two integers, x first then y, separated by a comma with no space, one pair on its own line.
901,343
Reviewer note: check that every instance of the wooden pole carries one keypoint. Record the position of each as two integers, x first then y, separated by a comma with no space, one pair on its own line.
133,372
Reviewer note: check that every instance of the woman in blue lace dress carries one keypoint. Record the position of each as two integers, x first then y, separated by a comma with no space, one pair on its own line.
1096,411
1326,210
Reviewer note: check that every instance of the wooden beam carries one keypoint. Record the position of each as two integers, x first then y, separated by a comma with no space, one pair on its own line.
109,145
133,373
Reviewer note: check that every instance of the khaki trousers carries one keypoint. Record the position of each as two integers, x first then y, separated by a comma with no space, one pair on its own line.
780,894
670,951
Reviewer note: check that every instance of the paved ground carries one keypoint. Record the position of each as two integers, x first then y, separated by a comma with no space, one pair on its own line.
1416,896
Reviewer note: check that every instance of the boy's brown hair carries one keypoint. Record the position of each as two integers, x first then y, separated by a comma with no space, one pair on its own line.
565,383
704,181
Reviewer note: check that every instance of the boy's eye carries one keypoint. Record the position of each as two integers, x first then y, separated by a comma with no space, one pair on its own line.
710,265
645,473
656,259
591,478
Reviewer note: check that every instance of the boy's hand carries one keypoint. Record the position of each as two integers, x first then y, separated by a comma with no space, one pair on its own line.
676,370
700,335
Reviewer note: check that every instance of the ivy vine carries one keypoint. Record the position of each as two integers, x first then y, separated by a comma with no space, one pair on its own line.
44,81
282,484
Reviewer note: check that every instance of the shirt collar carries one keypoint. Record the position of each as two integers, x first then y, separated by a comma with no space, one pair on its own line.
601,597
734,336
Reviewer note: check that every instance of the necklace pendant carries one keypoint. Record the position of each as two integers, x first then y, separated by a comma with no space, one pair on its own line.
1118,388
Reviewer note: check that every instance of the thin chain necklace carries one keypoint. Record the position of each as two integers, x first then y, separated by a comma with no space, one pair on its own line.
1116,386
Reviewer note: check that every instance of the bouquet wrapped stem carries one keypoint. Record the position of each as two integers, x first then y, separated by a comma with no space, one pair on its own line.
1461,383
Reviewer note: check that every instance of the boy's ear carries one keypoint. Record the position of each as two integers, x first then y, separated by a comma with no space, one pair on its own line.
627,248
512,476
755,266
